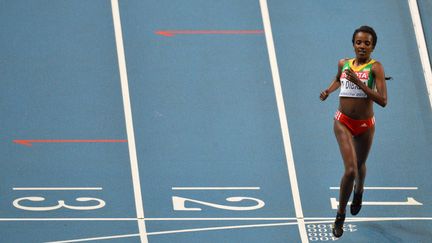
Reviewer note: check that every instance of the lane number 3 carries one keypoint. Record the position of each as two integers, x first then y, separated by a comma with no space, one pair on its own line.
60,204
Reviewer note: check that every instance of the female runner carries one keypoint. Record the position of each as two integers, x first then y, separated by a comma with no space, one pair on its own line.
362,82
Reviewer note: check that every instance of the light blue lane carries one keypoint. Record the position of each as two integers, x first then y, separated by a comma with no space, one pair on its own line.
310,38
204,112
60,81
55,231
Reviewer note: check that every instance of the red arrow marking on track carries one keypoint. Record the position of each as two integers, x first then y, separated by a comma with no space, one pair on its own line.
171,33
29,143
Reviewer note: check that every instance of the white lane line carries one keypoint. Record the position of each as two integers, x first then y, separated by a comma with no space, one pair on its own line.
367,219
96,238
283,120
214,188
220,228
220,219
317,221
421,43
213,219
410,201
129,121
382,219
68,219
202,219
147,219
57,188
380,188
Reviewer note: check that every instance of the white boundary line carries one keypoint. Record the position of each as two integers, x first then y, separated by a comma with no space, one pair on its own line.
381,188
213,188
57,188
129,122
96,238
322,220
221,228
67,219
307,219
220,219
318,221
370,218
147,219
421,43
283,120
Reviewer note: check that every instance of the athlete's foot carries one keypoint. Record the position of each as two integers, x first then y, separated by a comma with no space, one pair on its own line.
356,203
338,225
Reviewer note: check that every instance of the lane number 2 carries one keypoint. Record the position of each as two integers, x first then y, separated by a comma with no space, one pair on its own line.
179,204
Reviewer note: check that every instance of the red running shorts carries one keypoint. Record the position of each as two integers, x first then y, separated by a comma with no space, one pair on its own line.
356,127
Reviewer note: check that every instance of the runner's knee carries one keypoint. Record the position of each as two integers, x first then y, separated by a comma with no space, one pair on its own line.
350,172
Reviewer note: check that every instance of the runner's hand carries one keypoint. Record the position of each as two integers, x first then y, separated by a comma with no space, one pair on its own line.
324,94
352,76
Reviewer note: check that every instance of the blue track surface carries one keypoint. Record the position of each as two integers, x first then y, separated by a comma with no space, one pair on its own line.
204,116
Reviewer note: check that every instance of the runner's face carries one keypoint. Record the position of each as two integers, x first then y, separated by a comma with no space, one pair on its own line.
363,45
